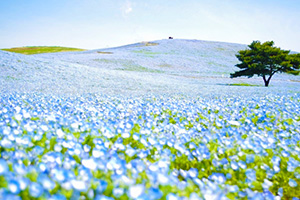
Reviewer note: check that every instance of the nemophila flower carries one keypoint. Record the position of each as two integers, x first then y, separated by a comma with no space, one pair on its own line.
6,143
266,184
14,187
114,163
19,168
46,182
172,196
89,163
84,174
268,195
102,185
3,166
162,179
194,196
60,175
233,188
103,197
11,197
98,153
280,192
242,194
57,197
285,153
292,164
193,173
218,178
130,151
136,191
79,185
118,192
35,190
257,196
23,182
250,175
234,165
250,158
293,183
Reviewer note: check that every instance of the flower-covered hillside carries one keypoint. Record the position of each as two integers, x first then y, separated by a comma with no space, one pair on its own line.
158,67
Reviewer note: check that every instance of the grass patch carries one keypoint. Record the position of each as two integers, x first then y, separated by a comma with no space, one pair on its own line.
112,61
128,65
41,49
147,53
131,66
138,68
216,64
165,66
220,49
8,78
241,84
295,81
104,52
147,44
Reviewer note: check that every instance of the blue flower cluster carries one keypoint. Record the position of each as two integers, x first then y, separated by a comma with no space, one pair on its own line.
150,147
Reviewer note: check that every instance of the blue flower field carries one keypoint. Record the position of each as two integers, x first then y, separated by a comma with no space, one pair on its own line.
152,120
150,147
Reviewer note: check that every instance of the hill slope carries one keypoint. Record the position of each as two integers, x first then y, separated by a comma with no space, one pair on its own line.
164,56
164,66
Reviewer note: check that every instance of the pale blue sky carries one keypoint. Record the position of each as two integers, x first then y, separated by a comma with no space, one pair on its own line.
93,24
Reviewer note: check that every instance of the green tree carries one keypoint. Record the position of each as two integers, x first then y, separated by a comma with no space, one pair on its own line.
263,59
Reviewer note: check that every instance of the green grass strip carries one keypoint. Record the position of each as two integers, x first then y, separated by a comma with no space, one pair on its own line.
41,49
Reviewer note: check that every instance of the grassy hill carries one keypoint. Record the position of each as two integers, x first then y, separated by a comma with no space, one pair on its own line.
158,67
40,49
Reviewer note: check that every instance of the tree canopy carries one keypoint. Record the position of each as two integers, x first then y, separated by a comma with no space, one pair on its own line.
263,59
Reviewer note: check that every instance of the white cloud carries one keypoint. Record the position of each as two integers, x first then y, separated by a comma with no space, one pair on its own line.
127,8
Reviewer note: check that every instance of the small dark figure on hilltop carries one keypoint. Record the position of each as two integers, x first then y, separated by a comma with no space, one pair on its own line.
170,38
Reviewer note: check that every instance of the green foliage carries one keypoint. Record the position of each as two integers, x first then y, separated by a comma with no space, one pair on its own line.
3,183
295,62
25,195
77,159
52,143
76,135
26,162
89,140
263,59
32,176
104,52
41,142
136,129
67,193
41,49
241,84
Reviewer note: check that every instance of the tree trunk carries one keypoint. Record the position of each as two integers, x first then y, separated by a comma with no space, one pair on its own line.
267,81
